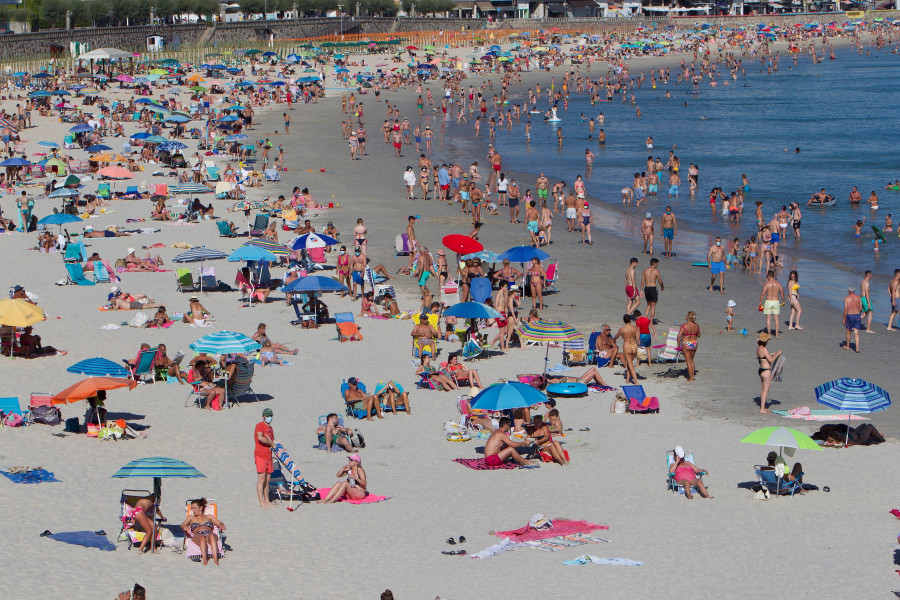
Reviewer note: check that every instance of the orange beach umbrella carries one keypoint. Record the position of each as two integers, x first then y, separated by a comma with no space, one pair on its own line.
89,387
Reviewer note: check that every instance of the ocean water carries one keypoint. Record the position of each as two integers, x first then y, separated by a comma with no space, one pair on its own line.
841,114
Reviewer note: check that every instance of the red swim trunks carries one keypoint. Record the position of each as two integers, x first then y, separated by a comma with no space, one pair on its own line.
497,168
631,292
493,461
397,145
263,464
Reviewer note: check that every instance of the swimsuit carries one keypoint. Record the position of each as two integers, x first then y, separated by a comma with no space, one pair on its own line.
771,307
631,292
854,322
650,294
716,267
533,226
493,461
866,307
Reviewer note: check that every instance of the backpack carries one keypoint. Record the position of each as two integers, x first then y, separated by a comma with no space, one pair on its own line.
48,415
356,439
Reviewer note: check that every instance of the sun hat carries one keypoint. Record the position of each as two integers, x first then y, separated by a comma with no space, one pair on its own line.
131,251
679,451
732,304
763,337
355,457
267,412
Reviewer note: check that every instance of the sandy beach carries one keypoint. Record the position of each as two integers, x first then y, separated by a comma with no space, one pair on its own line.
822,545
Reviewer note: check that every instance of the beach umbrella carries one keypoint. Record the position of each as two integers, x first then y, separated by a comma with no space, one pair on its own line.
189,188
485,255
98,367
81,128
16,312
63,193
142,135
200,254
254,253
507,396
115,172
15,162
49,144
852,396
472,310
60,218
89,387
98,148
177,119
158,468
40,94
237,137
155,139
314,283
170,146
782,437
523,254
313,240
546,332
225,342
461,244
273,247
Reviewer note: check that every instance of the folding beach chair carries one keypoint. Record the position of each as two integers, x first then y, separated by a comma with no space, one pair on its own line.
10,406
670,351
355,409
143,365
128,533
348,331
638,403
260,222
401,245
212,171
103,191
208,281
184,280
400,406
292,487
243,377
671,484
344,317
272,175
131,192
76,275
450,293
552,277
101,275
225,229
75,252
480,289
192,550
769,479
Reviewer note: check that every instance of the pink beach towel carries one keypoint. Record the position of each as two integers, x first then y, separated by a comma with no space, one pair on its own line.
478,464
370,499
560,527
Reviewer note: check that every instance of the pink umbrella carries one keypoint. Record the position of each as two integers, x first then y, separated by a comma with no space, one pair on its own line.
116,172
125,78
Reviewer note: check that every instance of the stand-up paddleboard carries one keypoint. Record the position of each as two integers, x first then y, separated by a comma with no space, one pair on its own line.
879,235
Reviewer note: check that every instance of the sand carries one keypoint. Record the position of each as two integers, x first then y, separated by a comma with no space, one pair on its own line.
733,546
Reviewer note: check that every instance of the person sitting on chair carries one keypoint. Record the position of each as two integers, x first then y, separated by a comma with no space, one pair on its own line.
333,435
199,527
171,367
459,371
424,335
776,463
606,347
686,474
392,395
354,395
315,306
443,381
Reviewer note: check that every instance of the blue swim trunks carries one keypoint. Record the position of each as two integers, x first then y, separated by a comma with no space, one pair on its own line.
669,234
653,187
716,267
853,322
673,190
775,238
424,278
357,277
645,340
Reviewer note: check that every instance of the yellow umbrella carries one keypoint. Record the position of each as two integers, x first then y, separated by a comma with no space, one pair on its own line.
19,313
158,72
101,157
196,78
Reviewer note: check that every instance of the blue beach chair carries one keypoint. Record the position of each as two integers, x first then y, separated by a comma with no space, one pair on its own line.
353,410
775,484
76,275
101,275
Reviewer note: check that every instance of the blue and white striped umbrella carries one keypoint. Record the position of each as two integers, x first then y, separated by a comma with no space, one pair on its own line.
169,146
189,188
852,395
200,254
98,367
225,342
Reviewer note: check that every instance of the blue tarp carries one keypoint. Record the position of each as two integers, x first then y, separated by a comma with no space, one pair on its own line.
36,476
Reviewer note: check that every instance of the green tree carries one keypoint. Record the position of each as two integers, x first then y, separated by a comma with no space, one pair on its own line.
378,7
252,7
53,13
426,7
207,8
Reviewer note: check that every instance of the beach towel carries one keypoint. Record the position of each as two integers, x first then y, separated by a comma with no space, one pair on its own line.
561,527
804,413
478,464
31,476
619,562
598,389
88,539
569,541
370,499
507,545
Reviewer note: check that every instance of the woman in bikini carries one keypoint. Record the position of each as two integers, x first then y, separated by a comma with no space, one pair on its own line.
353,487
423,182
688,338
143,515
507,274
587,220
544,440
793,286
369,308
445,383
629,334
766,361
343,269
200,528
536,277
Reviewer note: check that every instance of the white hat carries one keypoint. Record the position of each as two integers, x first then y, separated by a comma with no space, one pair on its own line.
648,215
130,250
88,228
732,304
114,289
679,451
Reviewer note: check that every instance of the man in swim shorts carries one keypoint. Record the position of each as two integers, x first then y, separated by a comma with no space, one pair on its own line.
500,447
669,229
771,298
631,290
543,188
716,259
852,317
650,278
357,268
425,267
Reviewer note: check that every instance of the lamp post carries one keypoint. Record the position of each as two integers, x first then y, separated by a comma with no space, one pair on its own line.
341,17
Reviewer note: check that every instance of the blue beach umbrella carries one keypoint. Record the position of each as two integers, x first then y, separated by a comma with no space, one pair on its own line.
98,367
177,119
523,254
81,128
852,396
254,253
59,218
63,193
313,240
508,396
47,144
170,146
472,310
485,255
225,342
15,162
314,283
99,148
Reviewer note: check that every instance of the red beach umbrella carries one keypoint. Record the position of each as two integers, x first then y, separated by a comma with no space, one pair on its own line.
461,244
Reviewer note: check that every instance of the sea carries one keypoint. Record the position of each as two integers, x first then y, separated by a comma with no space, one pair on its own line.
838,113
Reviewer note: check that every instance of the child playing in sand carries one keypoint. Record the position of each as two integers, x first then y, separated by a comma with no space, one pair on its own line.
729,315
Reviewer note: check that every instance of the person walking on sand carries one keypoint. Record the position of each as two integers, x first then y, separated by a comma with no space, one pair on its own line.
647,232
631,290
894,291
669,229
852,317
866,300
688,339
649,278
766,361
264,441
770,299
716,260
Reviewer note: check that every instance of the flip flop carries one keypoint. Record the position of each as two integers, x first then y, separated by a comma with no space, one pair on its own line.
462,539
46,533
451,541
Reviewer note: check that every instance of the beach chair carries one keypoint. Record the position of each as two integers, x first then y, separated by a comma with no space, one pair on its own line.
192,550
10,406
143,365
574,352
480,289
450,293
401,245
593,357
128,533
272,175
184,280
75,252
212,171
131,193
400,407
294,486
348,331
208,281
552,277
671,485
302,317
670,351
472,350
225,229
103,191
770,480
101,275
354,410
243,377
260,222
638,402
344,317
76,275
161,189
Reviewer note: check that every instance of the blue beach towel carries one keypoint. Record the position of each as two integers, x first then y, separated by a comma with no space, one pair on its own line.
35,476
88,539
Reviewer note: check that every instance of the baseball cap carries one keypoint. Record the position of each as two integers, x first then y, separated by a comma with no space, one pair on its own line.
267,412
353,381
355,457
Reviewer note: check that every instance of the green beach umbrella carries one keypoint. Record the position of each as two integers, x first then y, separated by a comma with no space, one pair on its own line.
783,437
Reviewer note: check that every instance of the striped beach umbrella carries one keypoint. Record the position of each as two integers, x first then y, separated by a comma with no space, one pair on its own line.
98,367
852,396
157,467
225,342
545,332
189,188
273,247
200,254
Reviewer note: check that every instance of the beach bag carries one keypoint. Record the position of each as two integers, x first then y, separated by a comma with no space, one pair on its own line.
72,425
48,415
13,420
139,320
619,404
356,439
642,353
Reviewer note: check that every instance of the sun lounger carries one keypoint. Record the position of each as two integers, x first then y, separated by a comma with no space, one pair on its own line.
184,280
670,351
674,487
638,402
225,229
128,533
76,275
10,406
143,365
